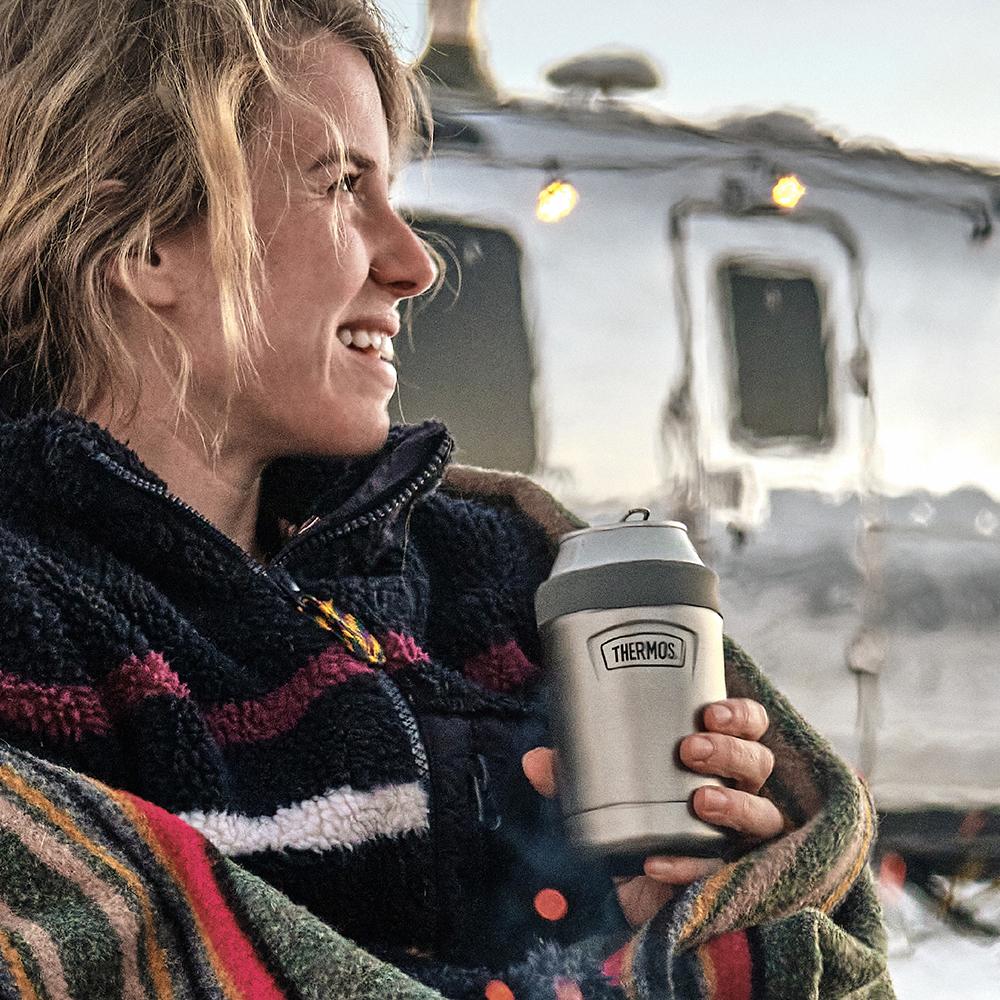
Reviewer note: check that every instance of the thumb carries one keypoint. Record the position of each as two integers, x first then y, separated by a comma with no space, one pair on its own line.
539,769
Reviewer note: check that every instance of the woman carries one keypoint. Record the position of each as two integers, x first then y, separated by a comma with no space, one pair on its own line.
232,593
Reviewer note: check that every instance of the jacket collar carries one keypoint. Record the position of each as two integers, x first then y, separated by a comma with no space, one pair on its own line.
60,472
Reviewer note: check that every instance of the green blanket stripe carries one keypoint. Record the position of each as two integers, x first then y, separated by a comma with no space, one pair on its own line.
321,962
32,969
308,959
808,956
110,842
122,843
75,923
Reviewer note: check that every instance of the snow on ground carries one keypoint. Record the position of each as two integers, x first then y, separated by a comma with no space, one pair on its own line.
930,959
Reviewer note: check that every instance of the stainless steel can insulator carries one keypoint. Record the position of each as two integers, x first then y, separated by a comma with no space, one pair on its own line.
632,640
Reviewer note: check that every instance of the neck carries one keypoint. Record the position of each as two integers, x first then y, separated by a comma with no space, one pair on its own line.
223,488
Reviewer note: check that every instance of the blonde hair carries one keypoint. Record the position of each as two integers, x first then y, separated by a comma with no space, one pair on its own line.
162,96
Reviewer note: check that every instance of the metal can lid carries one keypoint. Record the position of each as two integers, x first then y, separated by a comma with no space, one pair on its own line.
624,541
626,564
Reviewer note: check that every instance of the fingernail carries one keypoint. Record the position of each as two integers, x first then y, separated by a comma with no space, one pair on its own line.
662,867
713,798
722,714
699,747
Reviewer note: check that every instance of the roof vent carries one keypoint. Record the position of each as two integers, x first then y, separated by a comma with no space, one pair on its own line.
454,58
606,71
782,127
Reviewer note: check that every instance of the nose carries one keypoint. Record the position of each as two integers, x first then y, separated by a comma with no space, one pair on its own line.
401,262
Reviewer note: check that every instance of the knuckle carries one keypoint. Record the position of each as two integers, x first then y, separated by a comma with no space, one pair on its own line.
767,762
753,717
763,720
744,712
746,812
744,758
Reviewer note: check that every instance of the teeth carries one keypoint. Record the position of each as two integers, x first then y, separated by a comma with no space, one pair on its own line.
364,339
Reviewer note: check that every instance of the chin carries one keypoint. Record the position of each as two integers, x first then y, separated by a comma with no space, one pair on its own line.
354,440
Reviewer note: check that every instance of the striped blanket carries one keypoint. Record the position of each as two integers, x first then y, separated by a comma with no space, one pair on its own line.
105,895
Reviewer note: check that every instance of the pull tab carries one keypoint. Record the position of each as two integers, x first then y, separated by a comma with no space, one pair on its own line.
644,511
356,638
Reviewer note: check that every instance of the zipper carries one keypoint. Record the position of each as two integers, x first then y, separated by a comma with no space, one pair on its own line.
315,527
324,528
409,723
288,592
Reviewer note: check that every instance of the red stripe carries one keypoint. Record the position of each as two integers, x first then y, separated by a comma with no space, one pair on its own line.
137,679
56,711
401,651
184,850
72,711
501,668
279,710
729,955
64,712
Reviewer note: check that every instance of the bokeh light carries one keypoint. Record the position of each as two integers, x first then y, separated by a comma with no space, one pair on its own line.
788,191
550,904
497,989
556,201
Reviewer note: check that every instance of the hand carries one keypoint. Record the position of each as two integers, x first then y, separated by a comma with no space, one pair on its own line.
728,748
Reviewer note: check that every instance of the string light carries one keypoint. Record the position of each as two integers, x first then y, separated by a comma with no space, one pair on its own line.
788,191
980,212
556,200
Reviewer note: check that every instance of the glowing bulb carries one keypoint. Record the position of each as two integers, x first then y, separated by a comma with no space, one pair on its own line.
556,201
788,191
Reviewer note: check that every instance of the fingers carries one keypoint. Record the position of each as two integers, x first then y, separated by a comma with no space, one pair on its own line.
642,898
740,717
754,817
747,763
539,768
680,870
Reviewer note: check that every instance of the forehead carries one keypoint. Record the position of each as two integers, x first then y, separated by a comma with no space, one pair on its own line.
338,82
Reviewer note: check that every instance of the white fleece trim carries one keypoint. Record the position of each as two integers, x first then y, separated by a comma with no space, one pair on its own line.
341,818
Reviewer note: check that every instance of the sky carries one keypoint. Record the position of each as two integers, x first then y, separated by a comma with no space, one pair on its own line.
923,75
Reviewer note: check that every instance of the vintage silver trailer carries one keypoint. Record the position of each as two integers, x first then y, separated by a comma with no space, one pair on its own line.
813,389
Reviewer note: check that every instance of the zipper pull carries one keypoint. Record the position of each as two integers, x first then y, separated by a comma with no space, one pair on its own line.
356,638
305,526
486,805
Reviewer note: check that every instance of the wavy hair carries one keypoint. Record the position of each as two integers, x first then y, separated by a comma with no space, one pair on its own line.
164,99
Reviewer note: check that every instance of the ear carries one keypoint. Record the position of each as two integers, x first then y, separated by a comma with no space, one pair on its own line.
154,279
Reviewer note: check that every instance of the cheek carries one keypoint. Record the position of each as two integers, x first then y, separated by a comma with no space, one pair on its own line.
312,266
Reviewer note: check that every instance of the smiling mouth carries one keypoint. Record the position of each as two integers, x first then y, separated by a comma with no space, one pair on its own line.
368,341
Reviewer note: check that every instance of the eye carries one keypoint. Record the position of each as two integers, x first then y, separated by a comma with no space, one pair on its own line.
347,184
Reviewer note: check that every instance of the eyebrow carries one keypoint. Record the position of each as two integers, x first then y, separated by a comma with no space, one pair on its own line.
351,156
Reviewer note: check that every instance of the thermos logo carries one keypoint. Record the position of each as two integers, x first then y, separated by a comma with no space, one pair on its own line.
643,649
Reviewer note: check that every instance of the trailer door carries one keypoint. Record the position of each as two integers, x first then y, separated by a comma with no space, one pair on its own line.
778,427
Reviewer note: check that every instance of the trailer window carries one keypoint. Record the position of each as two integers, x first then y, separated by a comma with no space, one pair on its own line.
781,378
468,361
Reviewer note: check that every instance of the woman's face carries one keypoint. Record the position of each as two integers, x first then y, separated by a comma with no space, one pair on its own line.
337,262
